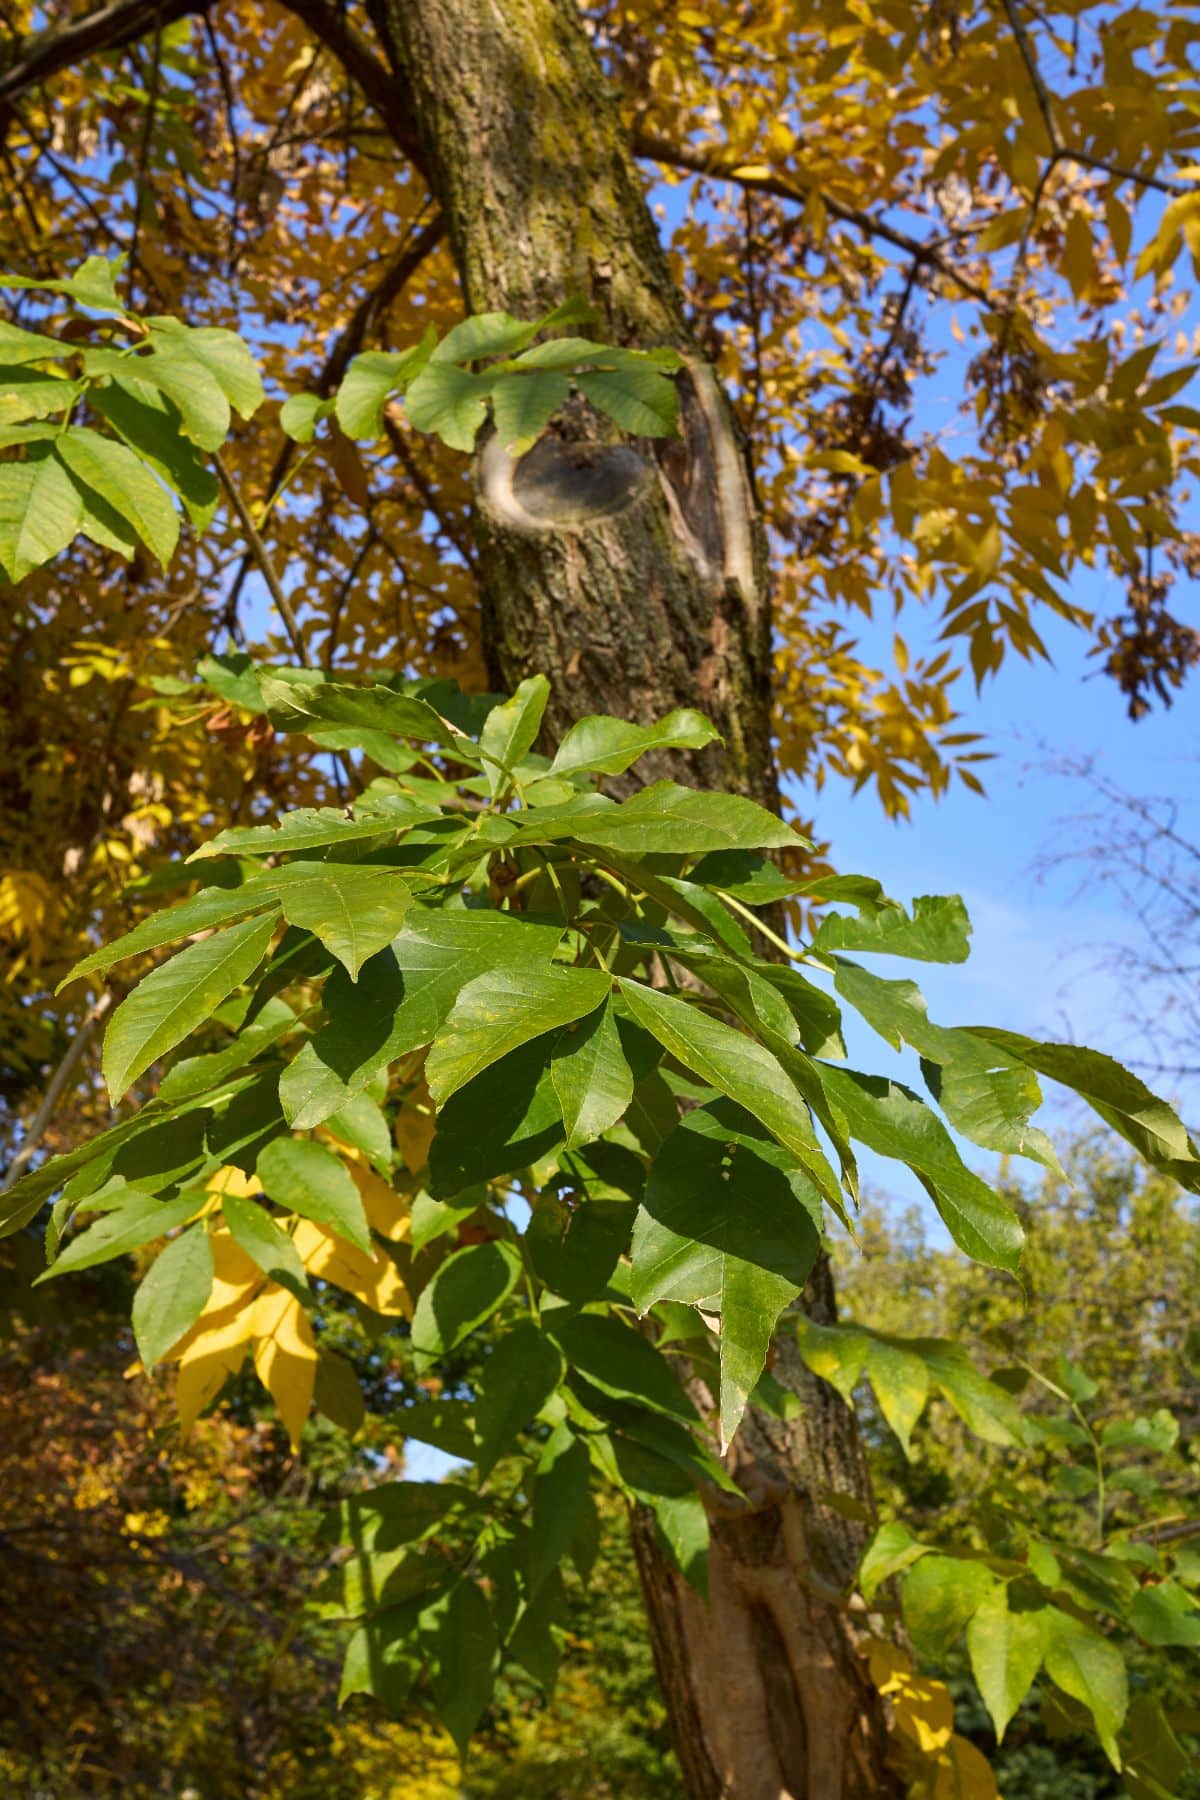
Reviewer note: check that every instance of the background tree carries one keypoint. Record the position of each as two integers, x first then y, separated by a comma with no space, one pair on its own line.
1007,189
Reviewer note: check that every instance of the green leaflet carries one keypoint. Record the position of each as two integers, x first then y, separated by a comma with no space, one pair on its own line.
518,1378
619,1361
173,1293
665,818
136,1220
306,1178
355,909
1091,1669
509,731
498,1012
985,1093
939,1595
402,1001
892,1550
212,906
741,1068
173,999
295,705
368,382
726,1225
938,929
148,424
465,1650
312,828
41,509
123,480
523,406
462,1293
1006,1652
891,1120
606,746
255,1231
448,402
592,1079
1120,1098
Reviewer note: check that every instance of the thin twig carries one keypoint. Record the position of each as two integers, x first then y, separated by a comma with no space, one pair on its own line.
55,1089
266,567
141,180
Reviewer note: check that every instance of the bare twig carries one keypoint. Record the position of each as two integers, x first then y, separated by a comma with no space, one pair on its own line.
266,568
56,1087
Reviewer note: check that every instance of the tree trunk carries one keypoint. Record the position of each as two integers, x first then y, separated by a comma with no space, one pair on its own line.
635,577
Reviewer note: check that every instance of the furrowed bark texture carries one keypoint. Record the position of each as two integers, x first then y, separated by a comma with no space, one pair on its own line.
638,587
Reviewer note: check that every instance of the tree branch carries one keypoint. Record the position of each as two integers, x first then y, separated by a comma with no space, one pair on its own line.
721,168
37,58
55,1089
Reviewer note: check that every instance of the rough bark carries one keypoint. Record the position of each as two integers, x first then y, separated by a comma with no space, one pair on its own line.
640,605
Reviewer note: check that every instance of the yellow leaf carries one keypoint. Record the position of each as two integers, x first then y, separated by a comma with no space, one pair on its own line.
923,1710
963,1773
387,1212
285,1356
216,1344
371,1279
234,1181
414,1129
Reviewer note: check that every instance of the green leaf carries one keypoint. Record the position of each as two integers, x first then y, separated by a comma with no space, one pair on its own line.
892,1121
122,479
255,1231
1091,1669
641,399
1006,1652
1120,1099
355,909
398,1512
607,746
313,828
295,705
197,397
306,1178
940,1594
619,1361
362,1124
726,1225
591,1077
561,1503
220,353
149,424
462,1293
510,729
449,403
524,404
41,509
739,1067
984,1093
901,1383
518,1378
300,415
27,393
744,874
432,1219
485,334
402,1002
136,1221
892,1549
466,1650
337,1394
172,1000
665,818
837,1353
983,1406
938,930
1165,1614
212,906
370,379
19,346
172,1294
498,1012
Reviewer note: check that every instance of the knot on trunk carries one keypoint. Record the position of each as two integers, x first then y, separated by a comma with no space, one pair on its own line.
567,481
